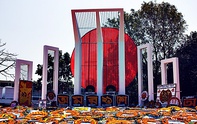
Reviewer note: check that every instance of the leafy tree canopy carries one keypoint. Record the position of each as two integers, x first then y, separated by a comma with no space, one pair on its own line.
65,76
187,55
159,24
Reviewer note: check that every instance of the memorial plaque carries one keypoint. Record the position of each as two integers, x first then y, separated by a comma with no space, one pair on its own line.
122,100
77,100
190,101
92,101
63,100
51,96
107,100
25,93
165,92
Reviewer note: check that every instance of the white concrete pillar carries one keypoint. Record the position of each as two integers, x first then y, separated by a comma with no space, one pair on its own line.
150,72
121,54
44,73
55,73
176,80
78,53
99,58
45,68
20,62
140,78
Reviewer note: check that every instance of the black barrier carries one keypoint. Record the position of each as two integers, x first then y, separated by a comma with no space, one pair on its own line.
107,100
77,100
63,100
189,101
92,100
122,100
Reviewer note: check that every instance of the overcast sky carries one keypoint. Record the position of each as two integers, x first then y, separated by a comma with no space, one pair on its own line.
27,25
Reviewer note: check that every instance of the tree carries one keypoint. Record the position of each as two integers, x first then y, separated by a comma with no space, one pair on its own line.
187,55
159,24
65,73
65,83
7,61
162,26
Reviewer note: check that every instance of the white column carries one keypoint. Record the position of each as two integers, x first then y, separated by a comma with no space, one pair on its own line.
44,72
176,80
163,73
176,76
99,58
77,66
20,62
45,68
30,69
121,55
140,78
16,81
55,74
150,72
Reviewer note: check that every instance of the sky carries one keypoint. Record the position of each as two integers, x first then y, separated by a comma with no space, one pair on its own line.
27,25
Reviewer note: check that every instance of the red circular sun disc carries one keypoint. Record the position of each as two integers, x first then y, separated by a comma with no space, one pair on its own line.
110,59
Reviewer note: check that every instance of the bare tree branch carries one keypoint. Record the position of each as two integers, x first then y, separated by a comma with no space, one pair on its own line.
7,61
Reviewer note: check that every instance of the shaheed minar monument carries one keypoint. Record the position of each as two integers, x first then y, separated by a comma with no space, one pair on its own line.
104,58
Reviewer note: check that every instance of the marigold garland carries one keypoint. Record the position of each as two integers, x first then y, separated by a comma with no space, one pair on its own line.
85,120
119,122
8,116
109,115
36,115
127,114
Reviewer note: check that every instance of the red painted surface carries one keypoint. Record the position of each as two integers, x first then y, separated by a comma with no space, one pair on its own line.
110,60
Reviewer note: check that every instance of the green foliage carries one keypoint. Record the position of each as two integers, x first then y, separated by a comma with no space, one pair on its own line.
159,24
65,83
64,67
187,55
132,91
163,26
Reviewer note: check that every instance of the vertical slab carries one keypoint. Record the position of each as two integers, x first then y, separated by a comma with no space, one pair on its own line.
150,72
99,58
20,62
121,54
1,89
77,72
176,80
45,67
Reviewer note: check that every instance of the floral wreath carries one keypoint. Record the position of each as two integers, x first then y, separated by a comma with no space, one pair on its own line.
144,95
50,96
127,114
13,104
165,95
86,120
